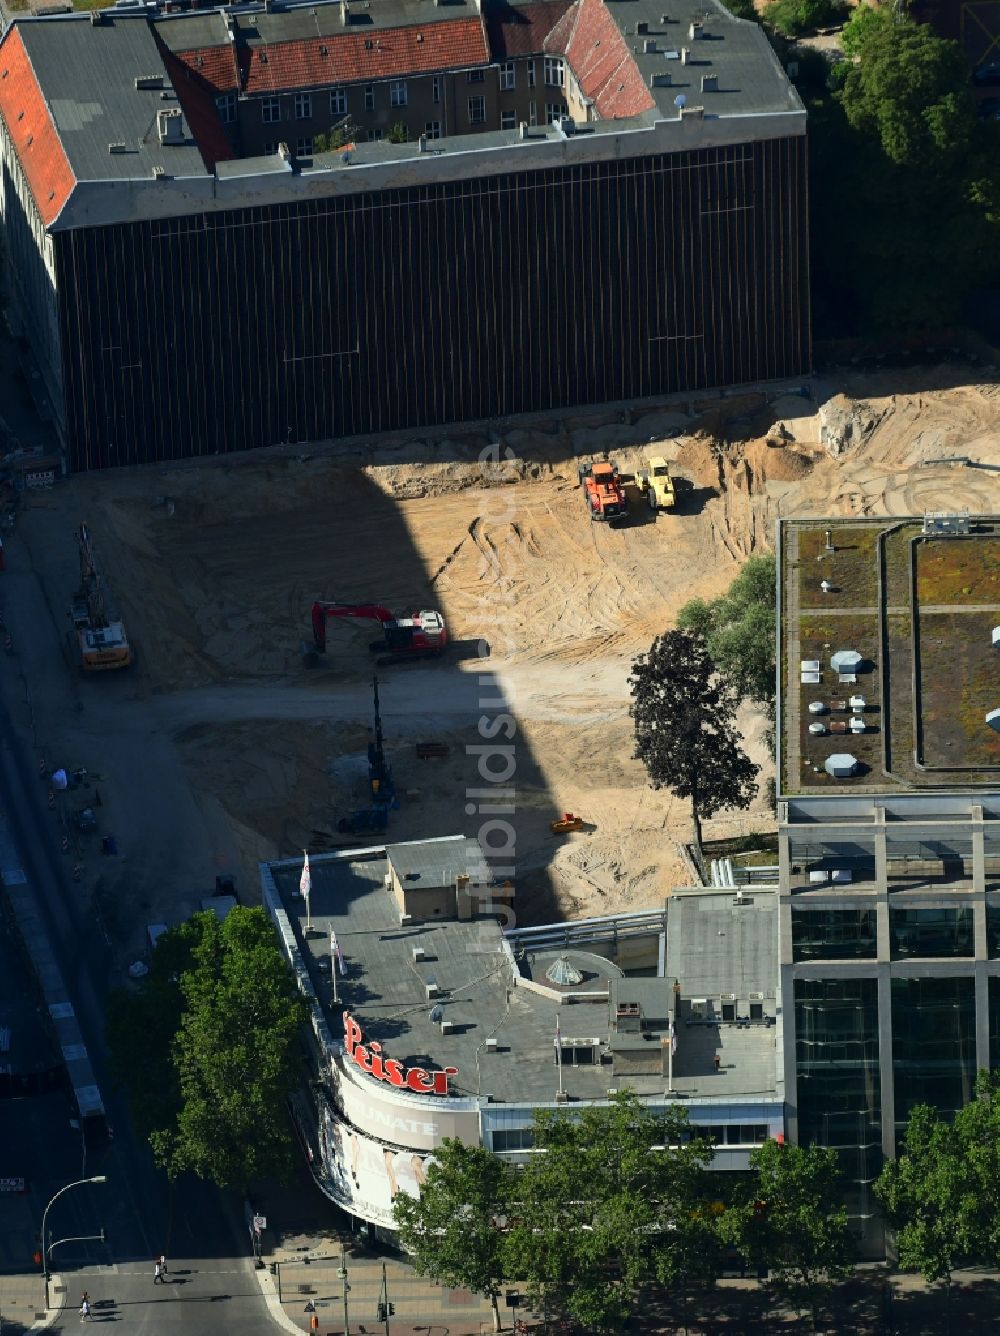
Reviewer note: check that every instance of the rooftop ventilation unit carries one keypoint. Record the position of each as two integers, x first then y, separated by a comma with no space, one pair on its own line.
448,1027
491,1045
118,148
419,953
149,81
170,126
431,990
649,46
709,83
641,28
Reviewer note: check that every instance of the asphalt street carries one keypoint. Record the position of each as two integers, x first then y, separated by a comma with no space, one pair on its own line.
141,1213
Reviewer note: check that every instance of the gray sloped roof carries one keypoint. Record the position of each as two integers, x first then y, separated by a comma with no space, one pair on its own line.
87,75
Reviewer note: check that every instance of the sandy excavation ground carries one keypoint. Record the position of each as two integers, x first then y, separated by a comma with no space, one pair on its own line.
215,566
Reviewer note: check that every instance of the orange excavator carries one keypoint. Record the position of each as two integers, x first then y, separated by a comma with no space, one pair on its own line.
420,636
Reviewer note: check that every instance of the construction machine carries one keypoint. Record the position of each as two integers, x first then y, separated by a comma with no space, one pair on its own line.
101,644
656,482
603,490
419,636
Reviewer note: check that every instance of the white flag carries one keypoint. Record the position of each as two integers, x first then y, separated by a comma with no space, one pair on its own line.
305,881
336,951
673,1037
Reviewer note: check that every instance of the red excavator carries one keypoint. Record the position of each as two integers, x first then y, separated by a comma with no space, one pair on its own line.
420,636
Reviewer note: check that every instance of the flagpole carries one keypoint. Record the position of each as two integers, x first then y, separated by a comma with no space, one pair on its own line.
307,891
333,967
559,1056
670,1056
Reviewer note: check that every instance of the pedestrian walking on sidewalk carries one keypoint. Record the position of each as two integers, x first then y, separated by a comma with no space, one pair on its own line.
158,1272
85,1309
163,1263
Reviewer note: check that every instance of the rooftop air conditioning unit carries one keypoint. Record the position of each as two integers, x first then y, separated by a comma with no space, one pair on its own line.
491,1045
432,990
418,953
447,1027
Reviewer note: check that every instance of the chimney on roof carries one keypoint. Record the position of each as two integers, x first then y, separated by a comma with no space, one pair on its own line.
695,31
685,55
692,113
345,13
169,125
96,18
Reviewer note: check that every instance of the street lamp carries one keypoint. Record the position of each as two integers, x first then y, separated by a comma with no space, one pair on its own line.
98,1178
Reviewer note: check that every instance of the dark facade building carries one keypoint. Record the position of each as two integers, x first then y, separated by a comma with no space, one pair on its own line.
189,291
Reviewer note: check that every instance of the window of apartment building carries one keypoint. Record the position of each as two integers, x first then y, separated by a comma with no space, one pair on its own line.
477,110
270,110
303,106
375,135
369,97
553,72
338,102
508,76
475,76
397,93
508,120
532,113
226,105
554,111
531,74
433,129
304,147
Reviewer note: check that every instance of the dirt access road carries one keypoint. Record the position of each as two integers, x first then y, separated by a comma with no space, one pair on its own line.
220,749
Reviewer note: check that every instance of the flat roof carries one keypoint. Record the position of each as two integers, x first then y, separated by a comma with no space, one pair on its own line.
888,623
489,992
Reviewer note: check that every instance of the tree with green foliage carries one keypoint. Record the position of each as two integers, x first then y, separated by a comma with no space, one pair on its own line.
739,630
453,1231
792,1221
615,1204
940,1194
684,711
862,26
398,133
207,1048
910,91
794,18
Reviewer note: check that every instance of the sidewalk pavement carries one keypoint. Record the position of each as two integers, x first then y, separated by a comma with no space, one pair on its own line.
22,1303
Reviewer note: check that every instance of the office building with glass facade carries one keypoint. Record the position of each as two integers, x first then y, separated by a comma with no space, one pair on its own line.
889,828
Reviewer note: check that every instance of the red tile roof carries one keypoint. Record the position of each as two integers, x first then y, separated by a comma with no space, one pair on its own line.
32,129
521,30
386,53
197,99
214,65
600,59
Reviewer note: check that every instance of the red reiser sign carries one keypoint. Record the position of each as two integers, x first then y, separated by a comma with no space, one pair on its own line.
370,1059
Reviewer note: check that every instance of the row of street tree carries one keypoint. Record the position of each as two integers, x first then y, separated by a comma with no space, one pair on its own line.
617,1203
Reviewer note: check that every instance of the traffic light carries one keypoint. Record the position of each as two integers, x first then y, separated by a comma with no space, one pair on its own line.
385,1311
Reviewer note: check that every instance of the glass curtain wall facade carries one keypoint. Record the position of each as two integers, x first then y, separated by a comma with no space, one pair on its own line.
837,1069
933,1044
